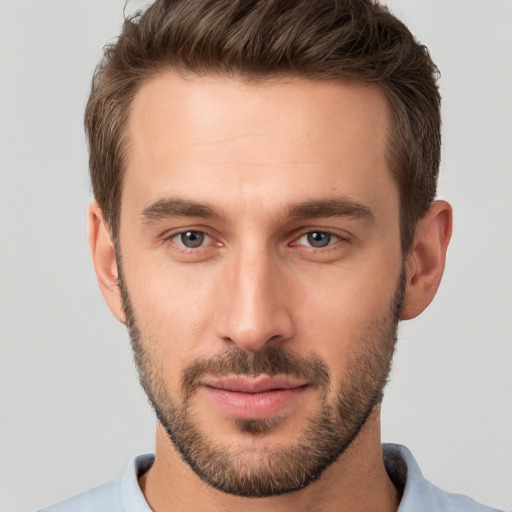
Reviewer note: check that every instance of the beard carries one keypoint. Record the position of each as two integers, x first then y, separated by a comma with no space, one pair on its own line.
239,470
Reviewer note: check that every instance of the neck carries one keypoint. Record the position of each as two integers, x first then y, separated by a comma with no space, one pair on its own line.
357,480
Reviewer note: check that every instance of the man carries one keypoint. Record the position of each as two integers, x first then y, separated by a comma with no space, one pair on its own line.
264,176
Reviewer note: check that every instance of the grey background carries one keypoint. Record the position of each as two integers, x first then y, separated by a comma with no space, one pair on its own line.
72,414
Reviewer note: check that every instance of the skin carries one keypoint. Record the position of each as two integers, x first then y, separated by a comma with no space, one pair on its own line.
251,151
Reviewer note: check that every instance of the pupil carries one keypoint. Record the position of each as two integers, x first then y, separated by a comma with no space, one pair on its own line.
192,238
318,239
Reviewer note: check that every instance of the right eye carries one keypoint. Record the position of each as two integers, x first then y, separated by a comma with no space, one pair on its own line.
192,239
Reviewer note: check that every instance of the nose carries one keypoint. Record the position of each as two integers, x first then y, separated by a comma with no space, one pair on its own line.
253,303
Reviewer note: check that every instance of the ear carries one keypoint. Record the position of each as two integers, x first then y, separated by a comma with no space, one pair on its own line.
426,260
104,258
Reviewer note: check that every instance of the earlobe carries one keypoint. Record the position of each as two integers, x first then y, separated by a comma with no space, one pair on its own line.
104,258
426,260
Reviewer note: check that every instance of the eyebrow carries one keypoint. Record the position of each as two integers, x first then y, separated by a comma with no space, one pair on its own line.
168,208
332,207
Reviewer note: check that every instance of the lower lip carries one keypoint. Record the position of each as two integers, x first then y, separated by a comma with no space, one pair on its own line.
254,406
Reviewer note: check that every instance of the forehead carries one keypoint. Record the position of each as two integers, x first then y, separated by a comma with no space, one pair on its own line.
221,135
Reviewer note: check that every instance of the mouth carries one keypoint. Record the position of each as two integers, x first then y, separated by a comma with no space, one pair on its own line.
253,398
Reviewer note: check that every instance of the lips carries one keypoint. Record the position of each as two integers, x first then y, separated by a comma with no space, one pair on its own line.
253,397
258,384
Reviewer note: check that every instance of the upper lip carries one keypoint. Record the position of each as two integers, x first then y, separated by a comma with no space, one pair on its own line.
259,384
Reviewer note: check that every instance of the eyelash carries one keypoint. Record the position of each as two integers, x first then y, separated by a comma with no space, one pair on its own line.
171,239
330,243
337,239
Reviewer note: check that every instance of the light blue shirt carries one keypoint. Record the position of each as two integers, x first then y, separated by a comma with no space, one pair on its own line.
419,495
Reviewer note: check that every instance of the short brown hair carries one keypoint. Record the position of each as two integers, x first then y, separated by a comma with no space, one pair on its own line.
261,39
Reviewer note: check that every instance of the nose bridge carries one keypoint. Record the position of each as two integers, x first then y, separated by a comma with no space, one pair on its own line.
253,309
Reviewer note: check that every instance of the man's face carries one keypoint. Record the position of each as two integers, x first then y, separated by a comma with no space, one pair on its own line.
261,270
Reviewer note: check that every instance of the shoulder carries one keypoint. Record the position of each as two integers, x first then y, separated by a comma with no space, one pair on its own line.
104,497
419,495
119,495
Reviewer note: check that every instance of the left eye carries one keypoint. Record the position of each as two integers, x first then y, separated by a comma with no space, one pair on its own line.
192,239
317,239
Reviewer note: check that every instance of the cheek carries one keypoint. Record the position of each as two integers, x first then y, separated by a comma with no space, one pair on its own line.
340,312
173,309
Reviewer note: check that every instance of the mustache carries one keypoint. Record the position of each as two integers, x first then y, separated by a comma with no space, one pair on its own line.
268,361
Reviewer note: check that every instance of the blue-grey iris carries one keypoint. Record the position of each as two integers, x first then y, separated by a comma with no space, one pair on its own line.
318,239
192,238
